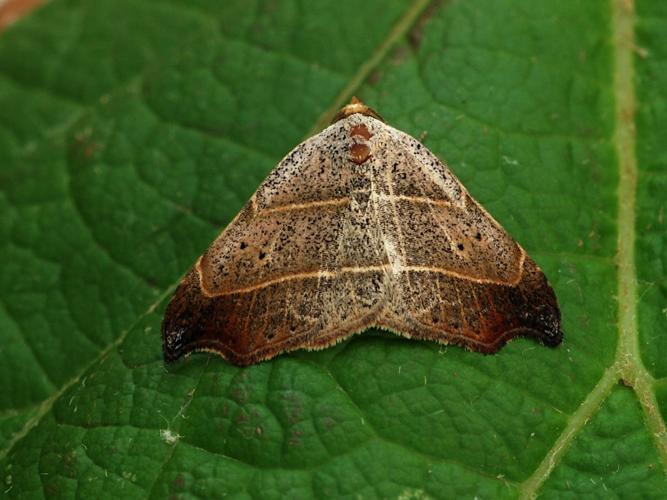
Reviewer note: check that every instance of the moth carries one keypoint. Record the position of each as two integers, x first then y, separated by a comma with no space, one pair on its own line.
359,226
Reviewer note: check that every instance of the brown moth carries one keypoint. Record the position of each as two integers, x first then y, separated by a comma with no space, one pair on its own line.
359,226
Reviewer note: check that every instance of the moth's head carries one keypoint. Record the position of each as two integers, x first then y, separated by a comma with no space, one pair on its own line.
356,106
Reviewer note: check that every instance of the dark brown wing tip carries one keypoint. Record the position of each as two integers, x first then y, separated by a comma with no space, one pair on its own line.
527,309
356,106
186,327
194,322
175,347
539,316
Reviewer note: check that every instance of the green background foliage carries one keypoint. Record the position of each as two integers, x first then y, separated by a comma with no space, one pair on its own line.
132,131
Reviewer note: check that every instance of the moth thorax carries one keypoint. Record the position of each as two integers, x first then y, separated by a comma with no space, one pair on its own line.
356,106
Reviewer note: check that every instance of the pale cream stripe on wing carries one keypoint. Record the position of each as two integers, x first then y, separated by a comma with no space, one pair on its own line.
344,201
422,200
305,206
361,270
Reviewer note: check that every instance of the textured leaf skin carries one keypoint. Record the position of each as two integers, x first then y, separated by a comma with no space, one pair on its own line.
131,132
615,436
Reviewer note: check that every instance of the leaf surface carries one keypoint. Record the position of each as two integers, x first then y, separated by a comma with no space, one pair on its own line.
131,132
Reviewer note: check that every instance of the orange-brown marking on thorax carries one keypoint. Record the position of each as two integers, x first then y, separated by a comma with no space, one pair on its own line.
359,153
360,130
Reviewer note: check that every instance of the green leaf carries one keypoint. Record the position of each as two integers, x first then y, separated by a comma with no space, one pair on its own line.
132,131
613,455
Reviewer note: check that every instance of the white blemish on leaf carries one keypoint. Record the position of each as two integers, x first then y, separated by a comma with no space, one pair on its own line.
413,494
129,476
509,161
170,437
